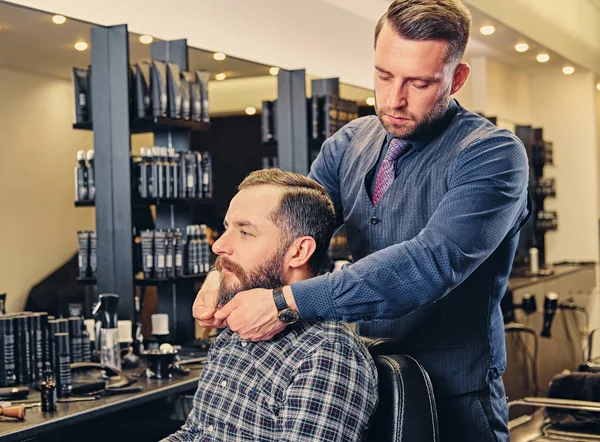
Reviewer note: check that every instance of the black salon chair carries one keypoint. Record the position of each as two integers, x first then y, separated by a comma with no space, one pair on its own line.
406,410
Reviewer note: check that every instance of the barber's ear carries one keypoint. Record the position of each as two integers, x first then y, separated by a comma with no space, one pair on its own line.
301,251
461,74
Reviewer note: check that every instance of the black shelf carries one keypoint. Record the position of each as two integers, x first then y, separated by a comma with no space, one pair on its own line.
86,203
146,125
156,282
150,282
157,202
86,281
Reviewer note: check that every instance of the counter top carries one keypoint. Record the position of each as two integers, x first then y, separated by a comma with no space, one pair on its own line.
517,282
37,421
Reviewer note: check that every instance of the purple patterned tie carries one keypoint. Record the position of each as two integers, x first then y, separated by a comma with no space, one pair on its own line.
387,171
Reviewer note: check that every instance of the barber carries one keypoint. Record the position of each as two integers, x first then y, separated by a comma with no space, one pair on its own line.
433,197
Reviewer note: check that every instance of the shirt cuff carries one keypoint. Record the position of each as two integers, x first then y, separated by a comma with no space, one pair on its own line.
313,298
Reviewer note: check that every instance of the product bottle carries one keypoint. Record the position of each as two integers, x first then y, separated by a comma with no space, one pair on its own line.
143,174
205,251
2,303
91,179
63,371
161,168
166,166
206,175
178,250
48,390
156,179
534,261
174,166
81,178
8,375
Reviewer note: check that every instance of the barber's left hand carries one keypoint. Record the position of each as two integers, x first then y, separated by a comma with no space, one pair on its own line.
252,315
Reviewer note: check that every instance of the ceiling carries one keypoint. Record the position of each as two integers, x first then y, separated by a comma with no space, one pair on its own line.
31,42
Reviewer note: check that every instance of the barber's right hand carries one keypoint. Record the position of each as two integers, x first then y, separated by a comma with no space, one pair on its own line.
205,305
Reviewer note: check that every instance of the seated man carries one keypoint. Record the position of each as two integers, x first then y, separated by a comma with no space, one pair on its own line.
313,381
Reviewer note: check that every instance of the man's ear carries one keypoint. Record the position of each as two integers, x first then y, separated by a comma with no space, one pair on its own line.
461,74
300,252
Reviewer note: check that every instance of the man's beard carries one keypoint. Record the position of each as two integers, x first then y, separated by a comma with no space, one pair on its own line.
268,276
421,125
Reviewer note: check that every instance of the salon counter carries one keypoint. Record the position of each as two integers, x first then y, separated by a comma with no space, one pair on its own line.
37,422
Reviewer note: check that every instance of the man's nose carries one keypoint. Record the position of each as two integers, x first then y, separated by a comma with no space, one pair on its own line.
221,246
397,96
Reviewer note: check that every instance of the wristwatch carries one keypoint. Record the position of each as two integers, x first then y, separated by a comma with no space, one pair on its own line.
284,312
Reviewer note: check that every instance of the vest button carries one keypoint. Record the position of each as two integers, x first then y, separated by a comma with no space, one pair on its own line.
374,220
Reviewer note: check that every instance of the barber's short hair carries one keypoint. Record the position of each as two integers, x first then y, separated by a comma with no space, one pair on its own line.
442,20
305,210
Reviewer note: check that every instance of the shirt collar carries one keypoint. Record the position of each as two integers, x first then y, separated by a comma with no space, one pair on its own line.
422,140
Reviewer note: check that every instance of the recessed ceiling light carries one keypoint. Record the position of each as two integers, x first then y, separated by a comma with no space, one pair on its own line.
146,39
568,70
219,56
220,76
487,30
598,86
59,19
250,110
81,45
543,57
370,101
521,47
274,71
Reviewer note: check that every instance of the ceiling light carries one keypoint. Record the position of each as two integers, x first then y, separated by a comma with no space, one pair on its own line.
598,86
59,19
521,47
568,70
370,101
220,76
250,110
487,30
81,45
274,71
543,57
146,39
219,56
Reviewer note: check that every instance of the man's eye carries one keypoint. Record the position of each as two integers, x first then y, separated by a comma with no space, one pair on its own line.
420,85
384,76
244,233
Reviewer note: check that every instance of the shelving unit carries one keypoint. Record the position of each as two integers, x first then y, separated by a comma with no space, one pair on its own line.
149,125
113,126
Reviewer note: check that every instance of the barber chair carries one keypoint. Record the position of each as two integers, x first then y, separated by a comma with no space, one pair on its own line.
406,411
572,410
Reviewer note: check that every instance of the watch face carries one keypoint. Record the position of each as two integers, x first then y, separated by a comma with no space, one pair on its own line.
288,316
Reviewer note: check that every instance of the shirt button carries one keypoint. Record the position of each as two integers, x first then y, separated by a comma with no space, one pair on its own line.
224,384
320,318
244,343
211,429
374,220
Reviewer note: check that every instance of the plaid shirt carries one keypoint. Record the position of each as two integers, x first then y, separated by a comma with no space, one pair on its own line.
312,382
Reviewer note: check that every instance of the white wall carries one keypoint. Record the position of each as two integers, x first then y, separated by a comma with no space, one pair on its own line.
565,106
38,223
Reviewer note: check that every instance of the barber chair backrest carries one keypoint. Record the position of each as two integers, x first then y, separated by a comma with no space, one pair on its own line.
406,411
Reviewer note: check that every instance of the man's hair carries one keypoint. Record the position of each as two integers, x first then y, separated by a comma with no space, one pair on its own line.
441,20
305,210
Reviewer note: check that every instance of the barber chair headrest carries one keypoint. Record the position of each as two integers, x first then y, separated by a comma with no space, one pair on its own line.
406,411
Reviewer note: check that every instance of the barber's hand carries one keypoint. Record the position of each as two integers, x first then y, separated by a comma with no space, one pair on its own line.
252,314
205,304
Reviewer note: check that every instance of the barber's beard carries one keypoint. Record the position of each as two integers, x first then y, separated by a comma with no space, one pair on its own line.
421,124
269,275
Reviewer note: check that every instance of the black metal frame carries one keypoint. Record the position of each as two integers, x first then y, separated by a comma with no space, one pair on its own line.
112,143
292,121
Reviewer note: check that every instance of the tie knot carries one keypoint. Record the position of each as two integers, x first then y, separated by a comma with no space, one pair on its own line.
396,148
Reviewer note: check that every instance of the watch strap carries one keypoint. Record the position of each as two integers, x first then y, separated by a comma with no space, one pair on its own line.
279,299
